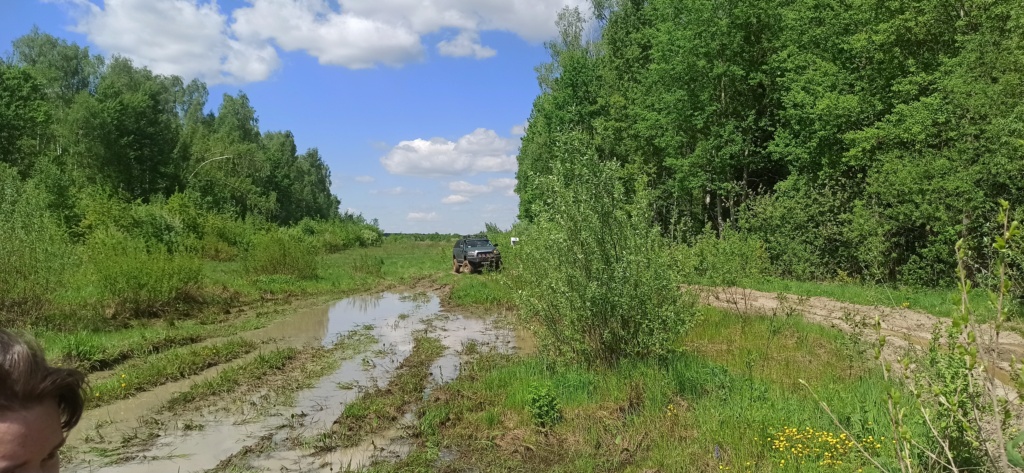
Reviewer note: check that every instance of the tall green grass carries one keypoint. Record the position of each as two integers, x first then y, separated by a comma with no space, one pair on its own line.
35,252
282,253
711,405
127,277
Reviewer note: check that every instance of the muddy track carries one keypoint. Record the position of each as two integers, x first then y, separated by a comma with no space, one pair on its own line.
259,429
905,329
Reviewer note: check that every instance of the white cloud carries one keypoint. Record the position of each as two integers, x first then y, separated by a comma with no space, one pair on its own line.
365,179
480,151
196,38
394,191
340,39
464,187
506,184
175,37
421,216
519,130
503,183
466,44
455,199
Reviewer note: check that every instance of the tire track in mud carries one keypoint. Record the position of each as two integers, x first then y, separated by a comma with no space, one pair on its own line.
905,329
238,429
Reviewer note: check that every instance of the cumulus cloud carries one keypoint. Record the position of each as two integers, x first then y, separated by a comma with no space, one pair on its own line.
480,151
502,184
365,179
455,199
466,44
340,39
175,37
519,130
421,216
464,187
196,38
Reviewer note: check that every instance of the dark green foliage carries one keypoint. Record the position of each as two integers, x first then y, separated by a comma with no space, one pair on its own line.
24,118
860,139
142,136
543,406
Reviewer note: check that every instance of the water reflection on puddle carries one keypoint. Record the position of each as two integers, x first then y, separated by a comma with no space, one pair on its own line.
394,317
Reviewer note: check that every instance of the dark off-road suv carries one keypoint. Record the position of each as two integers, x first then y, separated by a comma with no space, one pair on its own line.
473,253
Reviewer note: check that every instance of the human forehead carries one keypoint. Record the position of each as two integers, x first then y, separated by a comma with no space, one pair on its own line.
29,434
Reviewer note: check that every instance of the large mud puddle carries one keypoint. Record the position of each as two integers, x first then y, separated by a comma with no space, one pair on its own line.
137,436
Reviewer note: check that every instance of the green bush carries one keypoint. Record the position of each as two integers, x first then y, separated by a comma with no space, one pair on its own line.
282,253
725,261
594,275
126,276
544,408
333,236
35,253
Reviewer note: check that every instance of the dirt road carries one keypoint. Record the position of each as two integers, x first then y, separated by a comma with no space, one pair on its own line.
903,328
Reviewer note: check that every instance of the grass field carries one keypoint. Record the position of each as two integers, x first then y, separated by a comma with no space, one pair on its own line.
730,396
728,399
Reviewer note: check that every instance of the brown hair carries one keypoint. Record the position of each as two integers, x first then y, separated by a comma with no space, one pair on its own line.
26,380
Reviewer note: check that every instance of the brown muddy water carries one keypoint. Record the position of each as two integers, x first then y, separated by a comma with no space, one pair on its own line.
200,440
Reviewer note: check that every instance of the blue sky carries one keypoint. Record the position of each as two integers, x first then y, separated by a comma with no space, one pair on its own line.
416,105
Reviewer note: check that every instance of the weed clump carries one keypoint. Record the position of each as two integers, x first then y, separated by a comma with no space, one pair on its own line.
544,407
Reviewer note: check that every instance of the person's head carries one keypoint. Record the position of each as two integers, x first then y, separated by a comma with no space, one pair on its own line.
39,403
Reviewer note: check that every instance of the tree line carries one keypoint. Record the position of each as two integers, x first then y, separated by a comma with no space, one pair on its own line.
118,189
72,120
853,138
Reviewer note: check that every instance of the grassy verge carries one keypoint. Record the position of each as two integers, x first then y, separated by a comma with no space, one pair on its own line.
726,400
143,374
485,290
91,351
378,409
347,272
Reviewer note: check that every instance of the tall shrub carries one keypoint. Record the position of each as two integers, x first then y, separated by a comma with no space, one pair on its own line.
591,273
126,276
35,253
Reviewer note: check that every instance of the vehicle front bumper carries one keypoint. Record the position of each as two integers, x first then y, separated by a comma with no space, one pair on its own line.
489,259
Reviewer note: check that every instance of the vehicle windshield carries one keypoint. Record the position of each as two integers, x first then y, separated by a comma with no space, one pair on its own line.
478,243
